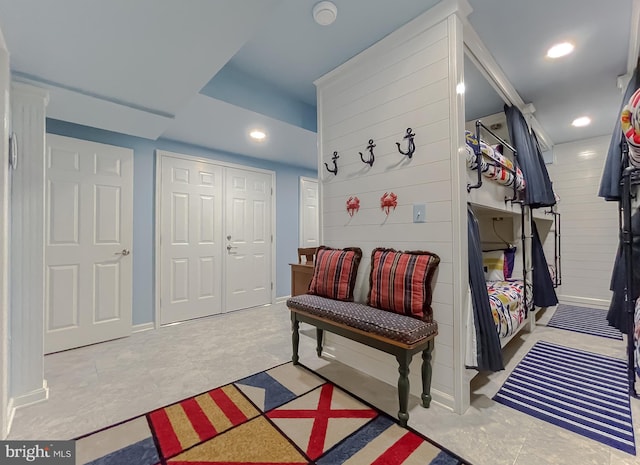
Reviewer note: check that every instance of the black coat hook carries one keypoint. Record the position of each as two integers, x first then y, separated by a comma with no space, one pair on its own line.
335,164
412,146
372,158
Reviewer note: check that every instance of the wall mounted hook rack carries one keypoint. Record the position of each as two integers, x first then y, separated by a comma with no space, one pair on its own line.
372,158
334,159
412,146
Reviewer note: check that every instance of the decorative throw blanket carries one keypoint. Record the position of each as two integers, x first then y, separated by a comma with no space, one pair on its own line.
493,164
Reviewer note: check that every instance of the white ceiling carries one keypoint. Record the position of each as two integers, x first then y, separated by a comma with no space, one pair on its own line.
138,67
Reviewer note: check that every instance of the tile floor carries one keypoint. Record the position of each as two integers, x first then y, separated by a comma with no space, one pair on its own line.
99,385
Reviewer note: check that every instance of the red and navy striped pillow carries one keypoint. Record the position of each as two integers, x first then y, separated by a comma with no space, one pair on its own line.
401,282
334,274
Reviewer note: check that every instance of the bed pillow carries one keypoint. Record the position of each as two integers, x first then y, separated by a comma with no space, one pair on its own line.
498,264
493,264
334,273
401,282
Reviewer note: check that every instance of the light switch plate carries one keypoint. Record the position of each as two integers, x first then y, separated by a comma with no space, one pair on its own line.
419,213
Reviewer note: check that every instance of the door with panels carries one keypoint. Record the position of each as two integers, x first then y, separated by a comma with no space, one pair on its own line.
309,213
190,239
248,238
89,233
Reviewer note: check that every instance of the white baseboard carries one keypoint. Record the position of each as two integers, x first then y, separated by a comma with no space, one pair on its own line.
143,327
283,299
587,301
33,397
380,366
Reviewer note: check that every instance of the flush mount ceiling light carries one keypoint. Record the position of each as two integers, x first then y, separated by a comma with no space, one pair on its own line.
258,135
560,50
581,122
325,13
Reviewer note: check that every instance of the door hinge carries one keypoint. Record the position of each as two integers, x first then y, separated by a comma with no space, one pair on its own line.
272,286
272,191
272,238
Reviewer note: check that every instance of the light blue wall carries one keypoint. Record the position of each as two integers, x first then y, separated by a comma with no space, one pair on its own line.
234,86
287,182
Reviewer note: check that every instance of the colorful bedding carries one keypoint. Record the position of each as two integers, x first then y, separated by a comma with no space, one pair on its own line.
492,163
507,304
636,337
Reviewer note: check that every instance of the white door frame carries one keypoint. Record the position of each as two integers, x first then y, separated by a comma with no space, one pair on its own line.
301,181
159,155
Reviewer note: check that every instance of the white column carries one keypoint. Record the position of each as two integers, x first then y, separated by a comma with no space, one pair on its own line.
27,384
4,239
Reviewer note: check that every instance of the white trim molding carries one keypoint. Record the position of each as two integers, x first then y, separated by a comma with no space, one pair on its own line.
586,301
38,395
143,327
28,105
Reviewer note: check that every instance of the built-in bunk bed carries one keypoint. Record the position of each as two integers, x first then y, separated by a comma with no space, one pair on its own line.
498,262
620,181
501,162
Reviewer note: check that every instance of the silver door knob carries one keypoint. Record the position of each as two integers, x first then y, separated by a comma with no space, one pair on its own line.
123,252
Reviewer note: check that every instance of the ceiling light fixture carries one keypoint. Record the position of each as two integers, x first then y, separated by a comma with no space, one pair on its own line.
325,13
257,134
560,50
460,88
581,122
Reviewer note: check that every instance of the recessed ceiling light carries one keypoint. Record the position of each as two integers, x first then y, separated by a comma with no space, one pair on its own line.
257,134
581,122
325,13
560,50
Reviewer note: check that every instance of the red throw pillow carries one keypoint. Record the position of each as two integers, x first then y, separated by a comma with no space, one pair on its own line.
334,274
401,282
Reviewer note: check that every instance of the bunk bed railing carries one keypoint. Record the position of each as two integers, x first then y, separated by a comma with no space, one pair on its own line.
478,153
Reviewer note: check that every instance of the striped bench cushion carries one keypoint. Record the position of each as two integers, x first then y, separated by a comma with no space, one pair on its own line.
373,320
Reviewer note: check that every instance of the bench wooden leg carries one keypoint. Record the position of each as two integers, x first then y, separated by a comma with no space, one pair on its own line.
403,387
295,338
319,334
426,375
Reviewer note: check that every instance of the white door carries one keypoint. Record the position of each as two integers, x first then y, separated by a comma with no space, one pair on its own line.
248,238
190,239
89,234
309,213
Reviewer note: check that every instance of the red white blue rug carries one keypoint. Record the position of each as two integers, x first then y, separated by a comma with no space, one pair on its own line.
286,415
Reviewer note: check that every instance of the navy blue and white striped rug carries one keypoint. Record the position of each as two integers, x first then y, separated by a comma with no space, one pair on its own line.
583,320
580,391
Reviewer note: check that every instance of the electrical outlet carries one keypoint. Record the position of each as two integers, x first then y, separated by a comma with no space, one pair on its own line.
419,213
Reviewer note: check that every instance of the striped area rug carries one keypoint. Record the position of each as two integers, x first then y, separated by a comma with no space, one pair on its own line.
583,320
581,391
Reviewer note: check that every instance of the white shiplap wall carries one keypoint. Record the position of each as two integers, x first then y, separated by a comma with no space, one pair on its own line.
406,80
589,224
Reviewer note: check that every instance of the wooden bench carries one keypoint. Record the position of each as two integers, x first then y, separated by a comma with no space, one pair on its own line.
393,333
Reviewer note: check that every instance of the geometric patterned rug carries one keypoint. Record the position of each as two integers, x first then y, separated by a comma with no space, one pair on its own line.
285,415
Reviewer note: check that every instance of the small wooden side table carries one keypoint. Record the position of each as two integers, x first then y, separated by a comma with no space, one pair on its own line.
301,274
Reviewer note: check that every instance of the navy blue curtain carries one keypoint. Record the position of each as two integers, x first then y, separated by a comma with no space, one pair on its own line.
610,187
617,316
489,352
544,294
539,192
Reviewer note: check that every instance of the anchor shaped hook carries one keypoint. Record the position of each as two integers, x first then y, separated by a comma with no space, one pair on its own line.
335,164
372,158
412,146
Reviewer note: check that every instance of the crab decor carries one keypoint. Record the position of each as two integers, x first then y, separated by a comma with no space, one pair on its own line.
353,205
388,201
